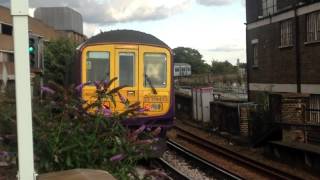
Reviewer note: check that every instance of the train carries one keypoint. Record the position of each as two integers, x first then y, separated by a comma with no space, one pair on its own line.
141,62
182,69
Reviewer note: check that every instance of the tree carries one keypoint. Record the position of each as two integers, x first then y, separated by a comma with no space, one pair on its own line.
223,67
58,59
192,57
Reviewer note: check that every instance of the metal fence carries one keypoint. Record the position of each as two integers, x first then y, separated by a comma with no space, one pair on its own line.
313,110
231,92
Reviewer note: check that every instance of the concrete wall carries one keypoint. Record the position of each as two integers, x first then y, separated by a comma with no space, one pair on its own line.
61,18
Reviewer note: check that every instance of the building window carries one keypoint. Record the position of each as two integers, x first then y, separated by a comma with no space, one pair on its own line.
255,55
313,27
269,7
286,33
6,57
6,29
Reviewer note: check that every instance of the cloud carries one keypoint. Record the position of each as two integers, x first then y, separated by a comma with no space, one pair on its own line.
112,11
102,12
215,2
90,29
227,48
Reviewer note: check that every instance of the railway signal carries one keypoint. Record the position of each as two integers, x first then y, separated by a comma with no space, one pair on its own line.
32,51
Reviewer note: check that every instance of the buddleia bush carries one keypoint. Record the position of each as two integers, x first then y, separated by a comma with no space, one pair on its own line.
70,132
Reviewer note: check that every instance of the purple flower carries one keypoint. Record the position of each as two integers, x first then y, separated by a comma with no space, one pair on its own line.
79,87
117,157
97,84
105,82
48,90
122,99
156,132
4,155
141,129
106,111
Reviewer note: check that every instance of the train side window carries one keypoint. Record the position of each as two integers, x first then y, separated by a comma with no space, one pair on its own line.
155,70
126,69
98,66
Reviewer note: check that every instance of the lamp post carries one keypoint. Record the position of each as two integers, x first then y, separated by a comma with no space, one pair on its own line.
19,11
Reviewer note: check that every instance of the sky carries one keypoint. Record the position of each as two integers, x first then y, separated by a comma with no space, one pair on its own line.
214,27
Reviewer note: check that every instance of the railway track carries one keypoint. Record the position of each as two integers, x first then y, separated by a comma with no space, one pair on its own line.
258,167
172,172
212,170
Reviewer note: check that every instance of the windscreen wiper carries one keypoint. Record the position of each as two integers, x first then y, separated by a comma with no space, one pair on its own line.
154,91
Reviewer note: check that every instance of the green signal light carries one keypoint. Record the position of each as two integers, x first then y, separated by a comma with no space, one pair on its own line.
31,49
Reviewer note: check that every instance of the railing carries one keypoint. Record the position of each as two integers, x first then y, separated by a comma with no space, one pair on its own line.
230,92
313,110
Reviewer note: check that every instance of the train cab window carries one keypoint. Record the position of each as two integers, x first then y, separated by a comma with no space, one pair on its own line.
155,70
126,69
98,66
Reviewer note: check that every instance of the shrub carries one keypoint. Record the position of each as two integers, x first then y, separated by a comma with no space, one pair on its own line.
71,133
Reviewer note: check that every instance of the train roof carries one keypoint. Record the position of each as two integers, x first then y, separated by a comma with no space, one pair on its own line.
125,36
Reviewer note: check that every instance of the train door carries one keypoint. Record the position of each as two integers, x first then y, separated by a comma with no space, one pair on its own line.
155,79
126,70
97,65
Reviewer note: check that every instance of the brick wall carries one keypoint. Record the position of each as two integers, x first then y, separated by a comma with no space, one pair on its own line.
244,121
275,65
293,109
293,135
278,65
5,15
6,42
292,115
253,8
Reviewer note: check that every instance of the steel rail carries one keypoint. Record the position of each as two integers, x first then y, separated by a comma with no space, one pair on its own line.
226,173
269,170
174,173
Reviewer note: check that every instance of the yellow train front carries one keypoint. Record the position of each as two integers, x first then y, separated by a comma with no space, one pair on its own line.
141,62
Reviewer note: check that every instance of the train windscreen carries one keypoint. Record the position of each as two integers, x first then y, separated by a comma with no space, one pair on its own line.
98,66
155,69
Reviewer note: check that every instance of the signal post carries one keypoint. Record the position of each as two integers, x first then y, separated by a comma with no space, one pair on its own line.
19,11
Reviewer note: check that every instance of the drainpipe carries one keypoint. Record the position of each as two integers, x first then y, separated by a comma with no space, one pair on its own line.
297,52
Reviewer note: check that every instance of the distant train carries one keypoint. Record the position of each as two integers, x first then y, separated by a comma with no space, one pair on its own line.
182,69
140,61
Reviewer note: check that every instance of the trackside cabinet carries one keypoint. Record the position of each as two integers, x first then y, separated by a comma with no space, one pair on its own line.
201,98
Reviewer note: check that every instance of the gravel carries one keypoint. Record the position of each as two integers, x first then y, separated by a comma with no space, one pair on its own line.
184,166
